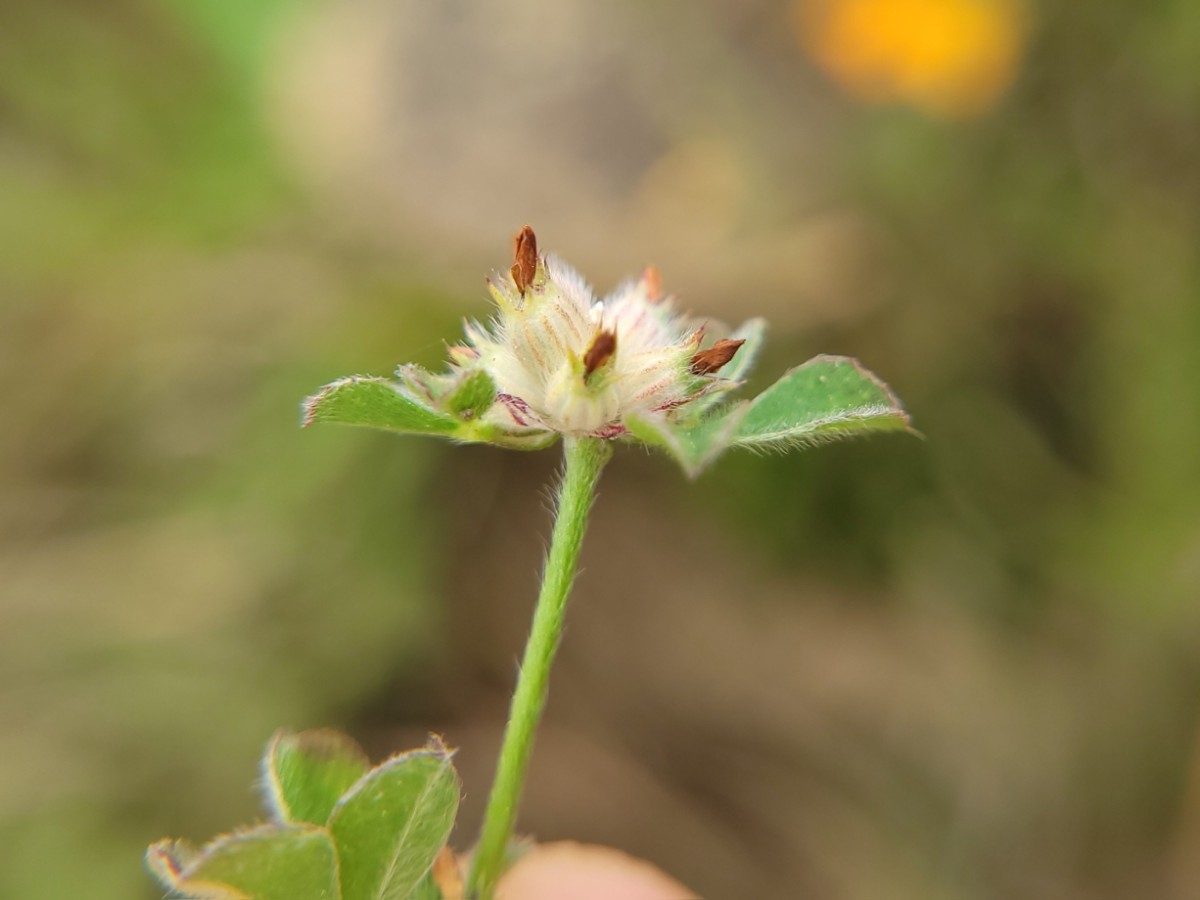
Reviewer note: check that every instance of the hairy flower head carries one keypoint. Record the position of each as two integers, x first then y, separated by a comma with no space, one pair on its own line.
564,362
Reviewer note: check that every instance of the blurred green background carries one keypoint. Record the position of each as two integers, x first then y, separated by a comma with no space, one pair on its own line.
963,667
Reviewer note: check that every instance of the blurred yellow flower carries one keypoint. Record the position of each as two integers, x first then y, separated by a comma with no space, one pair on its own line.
947,57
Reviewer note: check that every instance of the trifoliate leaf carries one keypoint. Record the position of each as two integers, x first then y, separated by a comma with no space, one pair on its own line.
390,826
828,397
305,774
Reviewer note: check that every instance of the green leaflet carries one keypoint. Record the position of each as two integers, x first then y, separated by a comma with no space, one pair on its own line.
390,826
305,774
420,403
828,397
376,403
271,862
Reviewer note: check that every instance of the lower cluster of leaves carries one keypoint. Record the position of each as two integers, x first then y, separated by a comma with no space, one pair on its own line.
339,830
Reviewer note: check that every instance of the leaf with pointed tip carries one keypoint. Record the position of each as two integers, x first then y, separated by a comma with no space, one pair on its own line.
376,403
828,397
693,446
391,825
267,863
305,774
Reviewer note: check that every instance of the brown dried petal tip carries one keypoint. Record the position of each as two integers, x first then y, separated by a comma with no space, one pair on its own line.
604,345
708,361
525,258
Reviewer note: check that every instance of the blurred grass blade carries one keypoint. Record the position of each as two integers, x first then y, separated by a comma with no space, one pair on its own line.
306,774
390,827
266,863
692,446
828,397
375,403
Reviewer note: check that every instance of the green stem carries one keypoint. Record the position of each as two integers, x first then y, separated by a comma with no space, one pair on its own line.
583,460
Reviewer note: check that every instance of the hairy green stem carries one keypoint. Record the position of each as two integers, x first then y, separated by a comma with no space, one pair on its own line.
583,460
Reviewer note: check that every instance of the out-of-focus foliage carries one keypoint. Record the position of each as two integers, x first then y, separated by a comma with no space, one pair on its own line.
962,667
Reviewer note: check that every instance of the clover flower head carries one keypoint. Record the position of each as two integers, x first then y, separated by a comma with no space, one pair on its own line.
564,362
554,362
